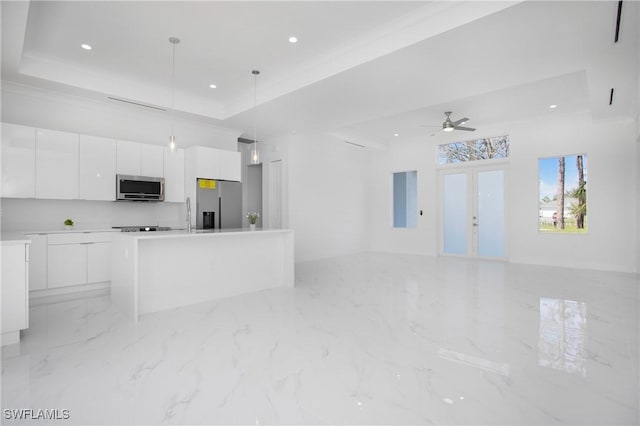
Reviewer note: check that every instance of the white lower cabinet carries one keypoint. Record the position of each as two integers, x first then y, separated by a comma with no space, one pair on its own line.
67,265
98,262
38,262
15,288
77,258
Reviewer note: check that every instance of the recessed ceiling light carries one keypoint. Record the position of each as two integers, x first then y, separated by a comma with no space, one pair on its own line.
553,106
86,46
213,86
293,39
396,134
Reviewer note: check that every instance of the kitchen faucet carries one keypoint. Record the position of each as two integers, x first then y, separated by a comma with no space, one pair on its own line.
188,214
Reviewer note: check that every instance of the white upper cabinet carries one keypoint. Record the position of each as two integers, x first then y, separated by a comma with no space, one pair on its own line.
174,175
139,159
211,163
18,161
97,169
128,158
230,165
56,164
151,160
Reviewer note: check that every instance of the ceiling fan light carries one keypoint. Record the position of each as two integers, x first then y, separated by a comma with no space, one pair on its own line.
447,129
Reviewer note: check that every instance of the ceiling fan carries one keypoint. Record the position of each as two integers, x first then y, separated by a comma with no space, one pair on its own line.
450,126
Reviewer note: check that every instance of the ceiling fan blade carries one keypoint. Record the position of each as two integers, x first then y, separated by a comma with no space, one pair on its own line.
468,129
462,120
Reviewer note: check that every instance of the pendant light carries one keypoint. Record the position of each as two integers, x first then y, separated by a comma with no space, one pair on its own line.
172,138
255,157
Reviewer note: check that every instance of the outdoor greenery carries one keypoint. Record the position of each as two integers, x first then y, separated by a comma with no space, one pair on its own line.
569,205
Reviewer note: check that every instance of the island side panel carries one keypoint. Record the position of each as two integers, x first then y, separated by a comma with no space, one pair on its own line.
124,274
175,272
288,255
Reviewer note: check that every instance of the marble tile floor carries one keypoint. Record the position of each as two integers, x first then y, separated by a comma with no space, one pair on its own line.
369,339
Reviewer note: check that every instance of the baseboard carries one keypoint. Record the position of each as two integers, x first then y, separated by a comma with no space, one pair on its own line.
64,294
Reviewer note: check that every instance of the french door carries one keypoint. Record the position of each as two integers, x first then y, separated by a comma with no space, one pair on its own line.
472,212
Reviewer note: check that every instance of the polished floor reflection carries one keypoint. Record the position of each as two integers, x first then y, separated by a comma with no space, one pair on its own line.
364,339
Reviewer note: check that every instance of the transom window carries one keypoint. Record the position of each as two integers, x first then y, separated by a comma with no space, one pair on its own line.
474,150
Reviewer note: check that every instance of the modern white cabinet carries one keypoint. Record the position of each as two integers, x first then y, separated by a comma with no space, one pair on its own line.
98,262
211,163
151,160
229,164
128,158
56,164
78,258
67,265
174,175
37,261
18,161
15,289
97,169
138,159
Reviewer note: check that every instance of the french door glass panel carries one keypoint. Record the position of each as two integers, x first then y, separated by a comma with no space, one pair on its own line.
490,219
455,213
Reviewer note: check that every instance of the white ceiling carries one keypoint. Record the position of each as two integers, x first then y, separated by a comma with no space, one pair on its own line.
363,69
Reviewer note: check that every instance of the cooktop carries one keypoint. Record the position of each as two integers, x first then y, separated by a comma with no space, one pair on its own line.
142,228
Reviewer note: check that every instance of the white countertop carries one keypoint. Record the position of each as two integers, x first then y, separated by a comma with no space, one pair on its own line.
14,238
21,237
200,233
70,231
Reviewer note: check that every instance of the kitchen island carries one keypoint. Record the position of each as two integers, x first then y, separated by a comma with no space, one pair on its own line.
155,271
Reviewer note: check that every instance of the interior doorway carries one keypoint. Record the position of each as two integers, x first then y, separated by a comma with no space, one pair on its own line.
275,194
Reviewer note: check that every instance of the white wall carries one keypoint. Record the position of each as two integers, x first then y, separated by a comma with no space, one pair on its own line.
100,117
329,204
611,147
47,215
611,152
400,157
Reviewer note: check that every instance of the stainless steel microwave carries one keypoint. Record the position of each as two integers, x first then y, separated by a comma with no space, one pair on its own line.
139,188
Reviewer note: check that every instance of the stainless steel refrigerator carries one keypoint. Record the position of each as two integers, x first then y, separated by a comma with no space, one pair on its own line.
218,204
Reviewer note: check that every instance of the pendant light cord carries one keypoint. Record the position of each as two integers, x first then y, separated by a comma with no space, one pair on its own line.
254,154
173,86
255,106
172,139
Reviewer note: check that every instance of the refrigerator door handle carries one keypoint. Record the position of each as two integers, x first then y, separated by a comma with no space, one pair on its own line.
220,214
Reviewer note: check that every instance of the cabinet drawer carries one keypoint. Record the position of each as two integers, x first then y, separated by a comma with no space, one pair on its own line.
80,237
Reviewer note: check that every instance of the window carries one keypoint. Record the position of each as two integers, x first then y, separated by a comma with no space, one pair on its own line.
563,194
474,150
405,199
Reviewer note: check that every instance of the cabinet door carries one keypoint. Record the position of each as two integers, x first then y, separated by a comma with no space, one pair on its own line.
38,262
229,164
151,160
14,287
56,164
67,265
128,158
174,175
98,262
18,161
97,177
